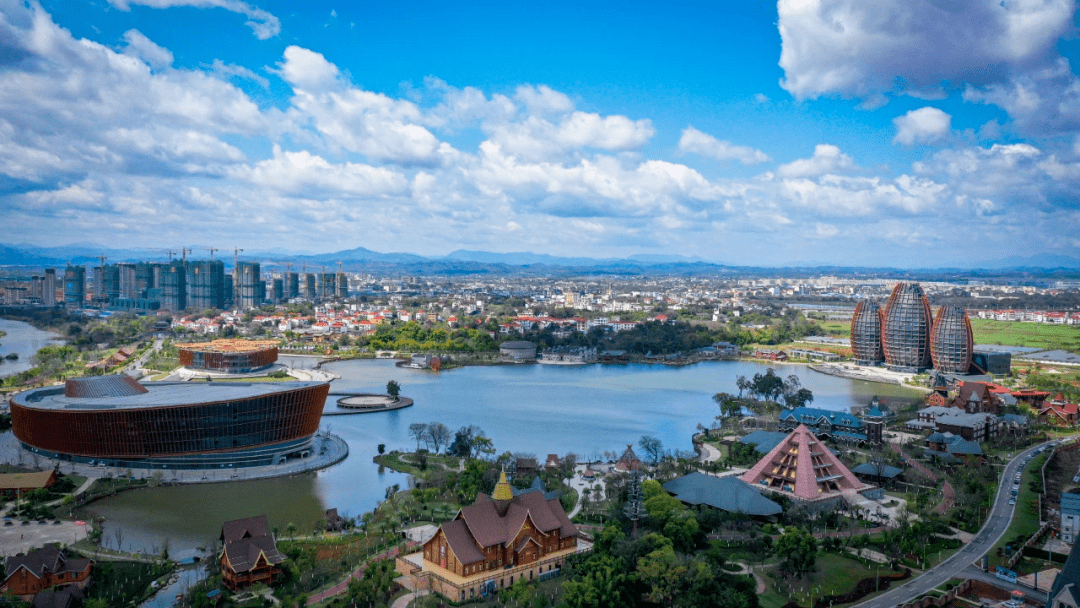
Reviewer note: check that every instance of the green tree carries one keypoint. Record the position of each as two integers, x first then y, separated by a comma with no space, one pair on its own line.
604,583
393,389
730,407
797,549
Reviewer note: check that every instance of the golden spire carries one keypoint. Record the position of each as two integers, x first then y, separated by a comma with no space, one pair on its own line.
503,491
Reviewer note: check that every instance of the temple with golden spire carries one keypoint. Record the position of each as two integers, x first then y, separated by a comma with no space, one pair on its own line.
495,541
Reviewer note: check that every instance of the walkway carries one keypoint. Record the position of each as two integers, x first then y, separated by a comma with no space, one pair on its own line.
343,586
327,450
948,494
405,600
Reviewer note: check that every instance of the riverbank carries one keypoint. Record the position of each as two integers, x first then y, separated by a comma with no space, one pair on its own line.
327,450
867,374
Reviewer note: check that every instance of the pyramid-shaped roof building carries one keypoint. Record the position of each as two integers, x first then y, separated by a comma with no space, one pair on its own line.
803,468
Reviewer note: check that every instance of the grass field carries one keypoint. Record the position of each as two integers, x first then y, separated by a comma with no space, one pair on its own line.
836,574
1036,335
836,329
1025,521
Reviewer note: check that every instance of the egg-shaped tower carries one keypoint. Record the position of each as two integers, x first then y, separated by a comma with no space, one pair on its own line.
906,329
866,333
951,341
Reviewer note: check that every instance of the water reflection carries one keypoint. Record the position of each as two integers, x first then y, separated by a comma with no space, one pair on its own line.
530,408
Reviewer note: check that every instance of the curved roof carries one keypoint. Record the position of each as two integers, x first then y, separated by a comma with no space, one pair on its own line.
157,394
729,494
230,346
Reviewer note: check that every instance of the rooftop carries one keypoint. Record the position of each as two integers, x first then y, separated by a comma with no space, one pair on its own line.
230,346
159,394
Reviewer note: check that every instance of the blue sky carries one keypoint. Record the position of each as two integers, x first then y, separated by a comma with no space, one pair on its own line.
906,133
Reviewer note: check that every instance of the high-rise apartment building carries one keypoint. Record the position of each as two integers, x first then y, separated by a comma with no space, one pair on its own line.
75,286
309,286
292,285
48,288
342,286
250,289
206,284
171,279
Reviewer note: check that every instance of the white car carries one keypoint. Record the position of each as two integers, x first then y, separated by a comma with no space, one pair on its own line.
1012,501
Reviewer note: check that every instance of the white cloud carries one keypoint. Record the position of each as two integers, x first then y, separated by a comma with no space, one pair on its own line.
826,159
264,24
142,47
697,142
923,126
309,176
825,231
238,71
1000,51
543,100
837,196
309,71
537,139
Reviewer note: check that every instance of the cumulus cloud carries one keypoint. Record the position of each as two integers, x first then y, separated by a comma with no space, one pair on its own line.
264,24
543,100
697,142
537,139
923,126
861,49
307,175
142,47
827,158
308,71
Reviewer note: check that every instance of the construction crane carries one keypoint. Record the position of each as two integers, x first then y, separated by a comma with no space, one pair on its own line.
212,250
170,252
339,267
186,251
236,257
102,258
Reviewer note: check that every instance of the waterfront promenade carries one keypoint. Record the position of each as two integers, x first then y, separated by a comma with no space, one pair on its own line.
327,450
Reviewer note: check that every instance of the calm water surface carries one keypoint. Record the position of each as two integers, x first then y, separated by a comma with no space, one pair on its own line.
541,409
24,340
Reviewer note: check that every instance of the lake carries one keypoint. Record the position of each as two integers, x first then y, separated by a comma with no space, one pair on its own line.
540,409
24,340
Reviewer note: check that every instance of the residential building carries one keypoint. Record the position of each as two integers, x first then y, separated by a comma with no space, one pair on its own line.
41,569
1070,517
249,554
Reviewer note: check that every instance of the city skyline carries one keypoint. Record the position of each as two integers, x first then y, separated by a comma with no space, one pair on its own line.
760,134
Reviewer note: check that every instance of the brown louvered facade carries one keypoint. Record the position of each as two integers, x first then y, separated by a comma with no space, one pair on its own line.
245,430
229,356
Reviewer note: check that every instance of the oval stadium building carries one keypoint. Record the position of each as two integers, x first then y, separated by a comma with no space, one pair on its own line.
116,421
866,346
951,342
906,329
229,356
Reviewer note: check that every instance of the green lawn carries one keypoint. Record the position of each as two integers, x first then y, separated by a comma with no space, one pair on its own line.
1038,335
835,574
1025,520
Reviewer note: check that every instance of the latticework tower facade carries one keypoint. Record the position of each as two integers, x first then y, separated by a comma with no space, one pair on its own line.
866,345
906,328
951,341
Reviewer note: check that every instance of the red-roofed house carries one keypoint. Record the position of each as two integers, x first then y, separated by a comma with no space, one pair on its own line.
1057,411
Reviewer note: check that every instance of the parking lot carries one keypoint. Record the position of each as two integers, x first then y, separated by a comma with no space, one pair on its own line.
22,538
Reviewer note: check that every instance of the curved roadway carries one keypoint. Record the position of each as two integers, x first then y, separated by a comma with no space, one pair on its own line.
953,567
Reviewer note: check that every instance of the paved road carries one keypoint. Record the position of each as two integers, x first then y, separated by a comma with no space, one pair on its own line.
955,566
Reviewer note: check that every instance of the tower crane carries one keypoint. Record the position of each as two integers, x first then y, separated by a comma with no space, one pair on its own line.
212,250
186,251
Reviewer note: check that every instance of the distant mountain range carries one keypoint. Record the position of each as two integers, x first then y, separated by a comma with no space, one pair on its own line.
486,262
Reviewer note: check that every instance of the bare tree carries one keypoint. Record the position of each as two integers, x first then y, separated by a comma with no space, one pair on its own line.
418,431
118,534
438,435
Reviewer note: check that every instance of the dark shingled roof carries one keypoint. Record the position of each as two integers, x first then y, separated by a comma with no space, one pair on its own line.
245,539
103,386
729,494
45,559
764,441
480,523
884,471
1070,575
65,598
461,542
